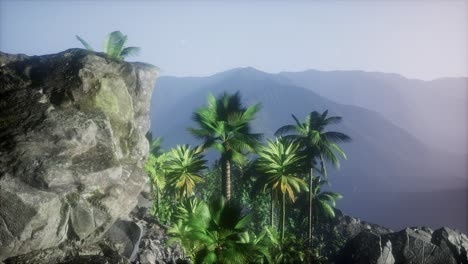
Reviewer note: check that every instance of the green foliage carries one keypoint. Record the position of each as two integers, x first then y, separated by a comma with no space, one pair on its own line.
327,240
223,232
163,204
224,125
281,164
318,145
164,213
114,46
216,234
156,173
183,167
155,144
323,203
154,167
85,44
209,189
248,191
287,250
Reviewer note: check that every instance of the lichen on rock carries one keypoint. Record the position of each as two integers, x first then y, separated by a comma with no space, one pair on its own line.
72,126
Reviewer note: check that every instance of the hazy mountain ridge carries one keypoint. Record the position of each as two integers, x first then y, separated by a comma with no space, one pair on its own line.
384,159
430,110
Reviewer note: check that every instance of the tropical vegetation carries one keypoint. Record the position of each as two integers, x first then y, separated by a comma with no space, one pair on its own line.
318,146
216,233
224,211
114,46
225,125
183,167
281,164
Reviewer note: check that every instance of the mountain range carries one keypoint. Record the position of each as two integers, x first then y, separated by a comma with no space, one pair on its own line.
407,159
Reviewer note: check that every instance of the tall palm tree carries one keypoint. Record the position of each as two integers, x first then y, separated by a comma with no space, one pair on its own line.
183,168
114,46
224,125
281,163
318,145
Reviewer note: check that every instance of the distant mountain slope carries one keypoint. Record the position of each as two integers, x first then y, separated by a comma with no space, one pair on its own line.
384,160
434,111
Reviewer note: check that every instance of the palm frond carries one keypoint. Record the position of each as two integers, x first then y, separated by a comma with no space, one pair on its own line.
337,137
85,44
285,130
114,43
130,51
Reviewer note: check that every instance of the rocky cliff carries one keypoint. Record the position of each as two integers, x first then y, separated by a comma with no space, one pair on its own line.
367,243
411,245
72,146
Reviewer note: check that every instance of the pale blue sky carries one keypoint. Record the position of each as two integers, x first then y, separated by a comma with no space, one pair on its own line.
418,39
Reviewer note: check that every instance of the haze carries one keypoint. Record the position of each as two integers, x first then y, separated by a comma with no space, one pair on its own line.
424,40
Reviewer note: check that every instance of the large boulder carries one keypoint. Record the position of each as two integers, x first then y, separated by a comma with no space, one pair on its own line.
451,240
366,248
349,227
410,245
126,235
72,146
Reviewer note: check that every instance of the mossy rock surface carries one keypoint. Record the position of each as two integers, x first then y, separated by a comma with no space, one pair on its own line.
72,125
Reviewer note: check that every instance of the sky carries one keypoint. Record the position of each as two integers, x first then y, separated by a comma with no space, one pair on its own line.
417,39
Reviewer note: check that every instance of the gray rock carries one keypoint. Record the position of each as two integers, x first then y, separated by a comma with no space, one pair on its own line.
349,226
366,248
102,252
72,146
408,246
415,246
453,241
386,256
153,248
126,235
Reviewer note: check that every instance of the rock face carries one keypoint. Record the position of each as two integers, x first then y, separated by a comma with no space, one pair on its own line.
153,248
350,227
72,146
411,245
126,235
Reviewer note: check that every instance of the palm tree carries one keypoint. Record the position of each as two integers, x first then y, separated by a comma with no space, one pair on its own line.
317,145
224,125
217,235
183,168
323,202
155,145
190,214
114,46
154,169
290,250
281,163
157,176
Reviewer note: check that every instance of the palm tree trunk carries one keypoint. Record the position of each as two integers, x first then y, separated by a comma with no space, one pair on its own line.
283,211
310,207
272,209
226,178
